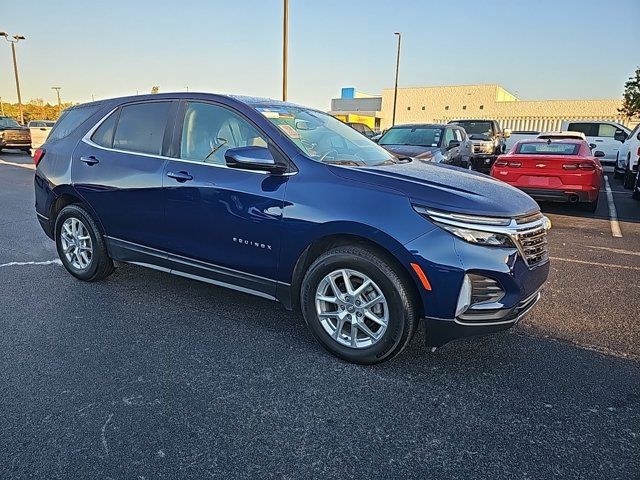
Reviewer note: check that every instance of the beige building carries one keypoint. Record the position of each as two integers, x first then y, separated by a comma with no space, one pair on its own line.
442,104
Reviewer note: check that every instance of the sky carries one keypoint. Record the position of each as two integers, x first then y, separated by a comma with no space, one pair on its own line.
547,49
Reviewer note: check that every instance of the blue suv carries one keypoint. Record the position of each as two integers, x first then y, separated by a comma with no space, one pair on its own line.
290,204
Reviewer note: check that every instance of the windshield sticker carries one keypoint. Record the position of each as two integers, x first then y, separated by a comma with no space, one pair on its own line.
289,130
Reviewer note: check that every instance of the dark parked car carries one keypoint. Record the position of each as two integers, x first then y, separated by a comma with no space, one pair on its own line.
436,143
488,141
363,129
290,204
14,135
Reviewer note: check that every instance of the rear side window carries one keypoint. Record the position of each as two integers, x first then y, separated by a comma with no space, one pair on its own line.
548,148
103,136
606,130
589,129
70,120
141,127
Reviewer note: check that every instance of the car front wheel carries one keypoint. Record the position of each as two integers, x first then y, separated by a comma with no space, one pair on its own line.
80,245
357,306
629,177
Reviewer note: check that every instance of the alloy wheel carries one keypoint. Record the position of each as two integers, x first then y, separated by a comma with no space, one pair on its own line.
352,308
76,243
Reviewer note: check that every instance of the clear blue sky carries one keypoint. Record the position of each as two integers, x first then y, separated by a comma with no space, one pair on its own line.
541,49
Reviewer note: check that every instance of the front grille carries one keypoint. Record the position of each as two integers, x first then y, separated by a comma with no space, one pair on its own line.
532,243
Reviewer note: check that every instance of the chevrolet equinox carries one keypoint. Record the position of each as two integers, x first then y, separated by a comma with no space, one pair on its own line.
288,203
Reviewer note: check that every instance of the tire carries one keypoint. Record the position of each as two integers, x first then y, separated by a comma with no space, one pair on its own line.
400,311
590,206
628,178
636,194
99,265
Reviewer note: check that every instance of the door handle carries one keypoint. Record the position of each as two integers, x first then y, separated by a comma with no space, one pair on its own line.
90,160
598,140
180,176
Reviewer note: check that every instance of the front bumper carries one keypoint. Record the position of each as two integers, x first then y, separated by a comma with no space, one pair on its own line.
446,260
483,162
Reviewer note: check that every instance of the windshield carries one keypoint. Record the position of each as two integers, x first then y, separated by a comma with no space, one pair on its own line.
324,138
412,135
6,122
477,130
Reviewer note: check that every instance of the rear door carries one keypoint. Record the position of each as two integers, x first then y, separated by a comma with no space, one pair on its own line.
224,223
117,168
602,134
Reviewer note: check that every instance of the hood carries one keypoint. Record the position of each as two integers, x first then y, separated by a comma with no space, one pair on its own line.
446,188
415,151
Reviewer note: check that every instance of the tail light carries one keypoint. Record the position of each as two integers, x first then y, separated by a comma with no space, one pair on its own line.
515,164
570,166
587,166
37,156
500,163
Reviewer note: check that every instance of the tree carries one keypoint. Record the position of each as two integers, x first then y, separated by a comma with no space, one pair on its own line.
631,96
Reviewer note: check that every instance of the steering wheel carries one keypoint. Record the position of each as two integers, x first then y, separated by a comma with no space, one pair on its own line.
331,151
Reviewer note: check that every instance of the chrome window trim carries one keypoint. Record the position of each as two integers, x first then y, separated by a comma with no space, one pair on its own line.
87,140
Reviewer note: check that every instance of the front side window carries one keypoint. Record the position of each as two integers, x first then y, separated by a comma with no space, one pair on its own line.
141,127
208,131
606,130
323,138
412,135
448,136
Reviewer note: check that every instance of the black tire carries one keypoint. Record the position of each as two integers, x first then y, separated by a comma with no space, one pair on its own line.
100,266
628,178
590,206
402,313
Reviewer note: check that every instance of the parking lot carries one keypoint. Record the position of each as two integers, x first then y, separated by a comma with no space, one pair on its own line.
147,375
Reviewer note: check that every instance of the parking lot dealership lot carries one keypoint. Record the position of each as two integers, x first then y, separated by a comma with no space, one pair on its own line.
147,375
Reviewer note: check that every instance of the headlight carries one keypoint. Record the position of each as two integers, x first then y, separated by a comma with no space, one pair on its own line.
479,237
489,230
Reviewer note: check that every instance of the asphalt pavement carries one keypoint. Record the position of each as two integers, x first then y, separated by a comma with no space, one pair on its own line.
147,375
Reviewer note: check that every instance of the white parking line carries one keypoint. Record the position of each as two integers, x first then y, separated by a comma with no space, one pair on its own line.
29,166
17,264
610,265
615,250
613,214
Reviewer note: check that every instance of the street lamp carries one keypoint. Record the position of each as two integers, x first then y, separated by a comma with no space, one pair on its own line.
395,91
285,37
57,89
13,40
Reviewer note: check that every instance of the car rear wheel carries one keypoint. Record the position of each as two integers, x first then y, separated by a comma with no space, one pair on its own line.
80,245
357,306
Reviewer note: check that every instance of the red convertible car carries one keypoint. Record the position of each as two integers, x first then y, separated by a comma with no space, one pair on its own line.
553,170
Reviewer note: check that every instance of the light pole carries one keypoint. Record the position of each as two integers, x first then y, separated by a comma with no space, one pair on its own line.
57,89
16,39
395,90
285,37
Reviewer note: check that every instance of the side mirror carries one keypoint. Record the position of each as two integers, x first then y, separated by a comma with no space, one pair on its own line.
506,133
620,136
376,138
453,144
253,158
598,154
592,146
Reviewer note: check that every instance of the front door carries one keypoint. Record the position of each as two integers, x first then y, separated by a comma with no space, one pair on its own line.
224,223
